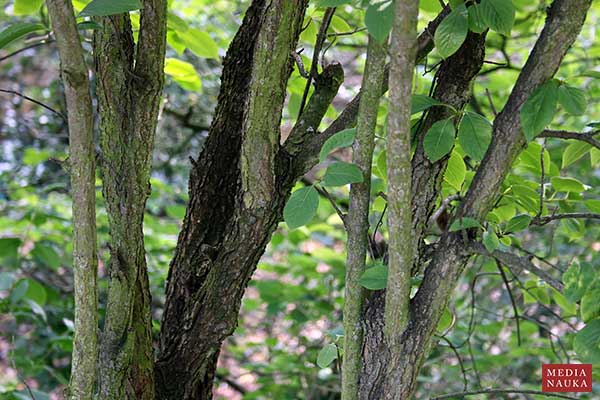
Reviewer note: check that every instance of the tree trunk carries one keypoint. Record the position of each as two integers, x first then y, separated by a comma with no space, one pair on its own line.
82,170
357,221
236,197
129,89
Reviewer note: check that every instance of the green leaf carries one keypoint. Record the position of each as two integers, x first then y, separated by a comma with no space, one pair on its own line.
574,152
101,8
566,305
301,207
572,99
26,7
474,135
499,15
379,18
590,302
577,279
342,173
518,223
375,277
343,138
446,321
33,156
567,184
332,3
477,23
464,223
176,23
200,43
46,254
452,32
36,292
587,342
593,205
439,139
381,164
16,31
183,73
421,102
9,247
490,240
456,171
538,111
327,355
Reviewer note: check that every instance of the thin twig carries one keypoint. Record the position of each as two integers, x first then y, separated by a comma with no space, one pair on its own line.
321,36
549,218
39,103
587,137
499,391
512,301
31,46
460,362
489,97
323,192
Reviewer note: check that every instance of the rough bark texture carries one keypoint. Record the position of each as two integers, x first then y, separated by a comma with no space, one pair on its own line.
454,78
129,89
563,24
82,169
236,198
357,221
403,48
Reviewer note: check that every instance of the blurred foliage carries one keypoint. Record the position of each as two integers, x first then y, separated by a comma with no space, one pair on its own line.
292,309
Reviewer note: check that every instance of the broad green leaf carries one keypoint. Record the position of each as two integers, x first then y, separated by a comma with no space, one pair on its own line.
342,173
343,138
382,165
46,254
332,3
176,23
327,355
567,184
35,291
587,342
33,156
439,139
200,43
574,152
27,7
490,240
539,110
577,279
464,223
593,205
474,135
175,42
569,307
101,8
572,99
455,171
445,321
183,73
379,18
451,33
499,15
595,157
590,302
518,223
375,277
421,102
301,207
9,247
16,31
477,23
339,25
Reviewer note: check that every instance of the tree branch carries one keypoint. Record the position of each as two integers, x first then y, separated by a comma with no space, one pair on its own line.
550,218
517,264
587,137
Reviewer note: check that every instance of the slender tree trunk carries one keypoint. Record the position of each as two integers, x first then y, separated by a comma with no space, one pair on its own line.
129,89
449,259
82,170
357,221
403,49
454,80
